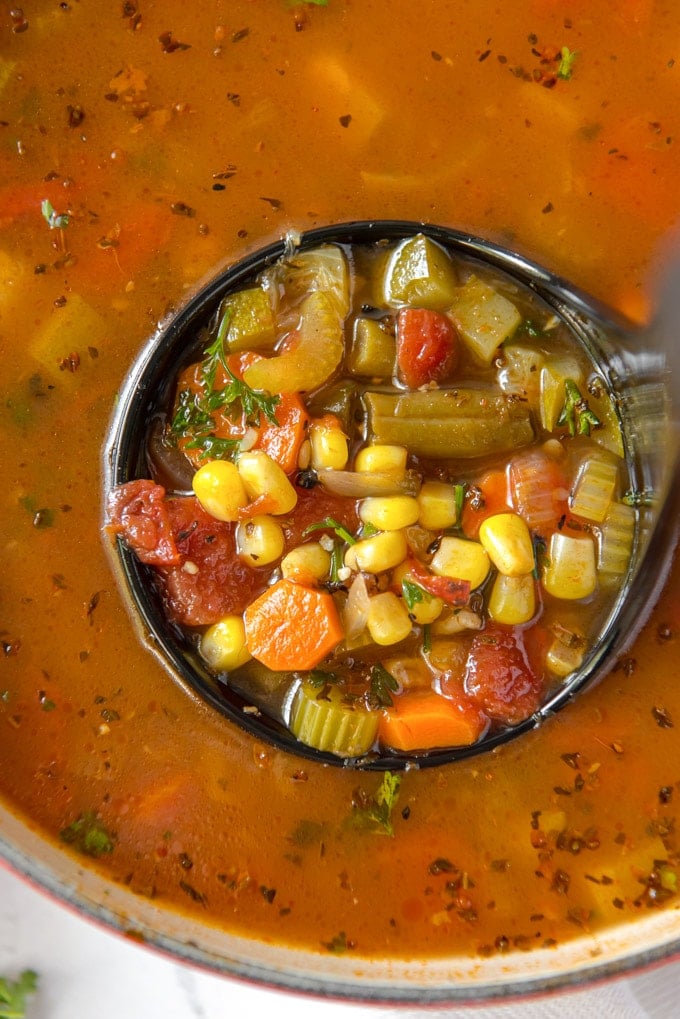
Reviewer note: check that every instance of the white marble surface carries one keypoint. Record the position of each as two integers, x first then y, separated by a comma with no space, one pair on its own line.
86,972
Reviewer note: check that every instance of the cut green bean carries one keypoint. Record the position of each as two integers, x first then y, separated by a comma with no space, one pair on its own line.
373,350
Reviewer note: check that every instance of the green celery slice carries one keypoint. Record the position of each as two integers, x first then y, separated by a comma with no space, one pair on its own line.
330,724
419,273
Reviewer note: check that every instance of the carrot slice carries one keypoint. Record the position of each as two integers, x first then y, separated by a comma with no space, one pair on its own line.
292,626
424,720
282,441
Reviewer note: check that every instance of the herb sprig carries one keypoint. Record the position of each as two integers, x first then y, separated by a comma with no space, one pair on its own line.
375,812
576,415
13,994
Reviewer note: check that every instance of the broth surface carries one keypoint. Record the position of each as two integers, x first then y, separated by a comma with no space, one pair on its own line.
144,145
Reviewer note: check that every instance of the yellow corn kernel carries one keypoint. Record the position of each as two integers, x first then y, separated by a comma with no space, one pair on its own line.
570,571
507,539
513,599
260,540
262,476
437,502
218,487
565,654
462,560
380,552
380,459
223,645
328,446
388,619
389,512
306,564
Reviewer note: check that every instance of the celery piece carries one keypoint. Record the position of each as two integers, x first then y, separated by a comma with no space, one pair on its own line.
312,360
373,351
324,270
68,344
484,318
462,422
521,371
594,489
554,374
325,721
609,434
616,538
420,273
248,320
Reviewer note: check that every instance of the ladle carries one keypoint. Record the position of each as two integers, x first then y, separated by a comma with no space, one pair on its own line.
638,364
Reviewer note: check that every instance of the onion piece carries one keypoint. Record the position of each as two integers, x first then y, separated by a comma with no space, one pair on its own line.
355,612
363,485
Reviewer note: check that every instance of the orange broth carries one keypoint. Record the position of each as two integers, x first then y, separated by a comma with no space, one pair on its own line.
177,138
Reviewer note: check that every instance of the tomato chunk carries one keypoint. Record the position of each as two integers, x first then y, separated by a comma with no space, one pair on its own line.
499,676
427,346
138,512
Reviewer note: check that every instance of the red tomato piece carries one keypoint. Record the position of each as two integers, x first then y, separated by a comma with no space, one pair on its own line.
427,346
450,590
138,512
313,506
490,496
499,676
211,580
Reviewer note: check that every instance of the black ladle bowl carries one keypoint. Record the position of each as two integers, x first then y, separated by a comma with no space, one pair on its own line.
634,365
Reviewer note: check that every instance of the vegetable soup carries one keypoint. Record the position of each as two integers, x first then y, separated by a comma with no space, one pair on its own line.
142,148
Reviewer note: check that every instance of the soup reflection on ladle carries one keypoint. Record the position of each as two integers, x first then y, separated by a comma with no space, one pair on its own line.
376,683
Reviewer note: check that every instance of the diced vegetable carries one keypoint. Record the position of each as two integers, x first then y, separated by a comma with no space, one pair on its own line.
70,333
267,486
507,541
260,540
366,484
553,376
306,564
438,504
311,356
381,459
570,571
513,599
390,513
379,553
427,347
373,351
328,444
424,720
420,273
322,718
484,318
464,422
223,645
616,538
488,495
565,653
521,371
282,440
320,270
388,619
594,489
292,626
539,490
500,677
138,512
247,320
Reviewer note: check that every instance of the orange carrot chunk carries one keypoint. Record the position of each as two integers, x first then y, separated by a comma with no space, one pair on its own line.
292,626
424,720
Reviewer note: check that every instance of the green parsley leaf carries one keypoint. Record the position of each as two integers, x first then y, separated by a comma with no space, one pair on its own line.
566,65
13,994
88,835
382,686
55,220
331,524
413,593
376,812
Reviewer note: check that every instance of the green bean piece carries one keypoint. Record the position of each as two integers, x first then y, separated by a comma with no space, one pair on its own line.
322,719
250,321
449,423
339,399
373,350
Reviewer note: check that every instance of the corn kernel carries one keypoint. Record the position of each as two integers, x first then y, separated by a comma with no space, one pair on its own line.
381,459
218,487
328,446
306,564
437,502
513,599
388,619
223,645
260,540
380,552
389,512
262,476
507,539
570,572
462,560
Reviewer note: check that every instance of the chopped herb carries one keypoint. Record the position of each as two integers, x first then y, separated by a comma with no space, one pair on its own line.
382,686
576,415
13,994
635,497
427,638
414,593
55,220
566,65
318,678
375,812
88,835
339,943
337,561
331,524
459,493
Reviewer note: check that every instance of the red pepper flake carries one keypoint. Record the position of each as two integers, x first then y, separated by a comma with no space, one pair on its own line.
346,120
170,45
